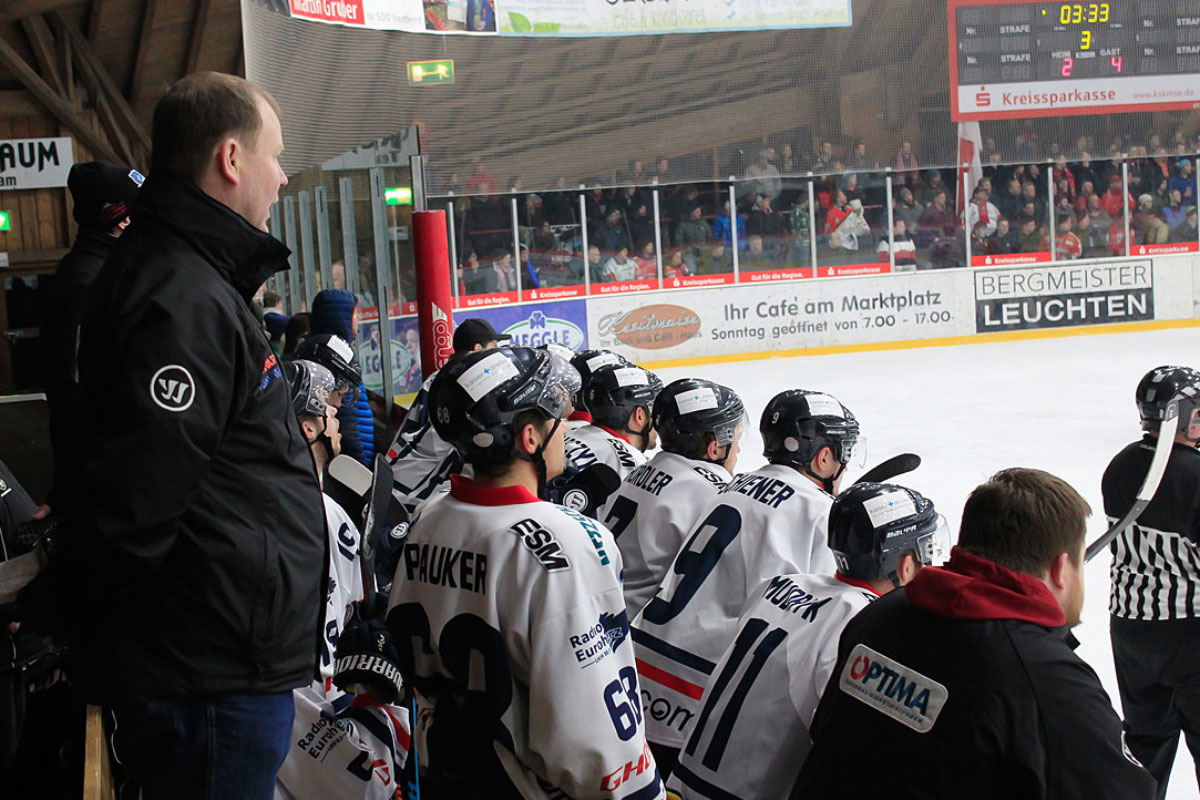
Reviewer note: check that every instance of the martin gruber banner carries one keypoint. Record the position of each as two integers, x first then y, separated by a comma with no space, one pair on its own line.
570,17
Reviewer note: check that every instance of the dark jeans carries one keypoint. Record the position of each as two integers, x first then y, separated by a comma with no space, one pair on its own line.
1158,675
205,748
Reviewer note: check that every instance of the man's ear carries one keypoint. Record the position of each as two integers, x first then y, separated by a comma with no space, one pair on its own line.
1057,577
639,418
713,451
823,460
528,439
310,430
229,156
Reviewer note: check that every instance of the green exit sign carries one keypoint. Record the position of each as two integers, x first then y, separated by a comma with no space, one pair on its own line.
431,71
5,221
398,195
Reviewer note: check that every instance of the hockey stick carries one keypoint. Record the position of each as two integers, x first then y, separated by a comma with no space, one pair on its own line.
1158,464
896,465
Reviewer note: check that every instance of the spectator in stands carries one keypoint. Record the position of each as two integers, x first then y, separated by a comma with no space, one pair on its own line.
824,157
273,318
595,268
1063,207
1149,227
481,181
641,224
529,278
1185,180
1067,245
979,238
635,174
1095,209
908,209
611,235
620,267
674,265
645,263
502,267
1161,194
982,210
851,228
788,163
838,211
297,328
1113,203
765,222
335,311
195,562
1061,174
756,257
1186,231
723,228
859,160
1086,190
906,160
1010,203
1031,237
1003,241
475,278
103,195
929,189
1093,238
544,239
762,178
938,216
906,248
694,231
717,260
1031,193
662,171
1174,213
561,207
800,221
1083,170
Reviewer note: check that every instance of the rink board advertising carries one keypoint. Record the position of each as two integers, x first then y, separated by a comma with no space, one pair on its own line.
1029,298
1022,59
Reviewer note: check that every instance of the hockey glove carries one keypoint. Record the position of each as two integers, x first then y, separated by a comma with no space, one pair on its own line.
367,661
586,490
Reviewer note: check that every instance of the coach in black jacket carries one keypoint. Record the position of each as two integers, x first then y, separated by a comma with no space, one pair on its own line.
964,684
199,554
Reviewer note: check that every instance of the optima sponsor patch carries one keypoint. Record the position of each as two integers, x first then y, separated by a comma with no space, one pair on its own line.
893,689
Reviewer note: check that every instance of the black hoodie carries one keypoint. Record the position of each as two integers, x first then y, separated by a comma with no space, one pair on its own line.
198,555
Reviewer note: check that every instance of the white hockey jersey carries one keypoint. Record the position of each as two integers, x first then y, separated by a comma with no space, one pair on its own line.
652,512
343,750
594,443
420,459
751,736
510,604
342,747
767,522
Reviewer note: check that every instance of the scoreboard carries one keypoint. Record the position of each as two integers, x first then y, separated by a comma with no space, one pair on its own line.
1021,59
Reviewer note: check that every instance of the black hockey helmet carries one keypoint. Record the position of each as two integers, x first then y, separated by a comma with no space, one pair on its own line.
613,392
586,362
1162,384
336,355
310,384
871,525
797,423
565,354
475,399
688,409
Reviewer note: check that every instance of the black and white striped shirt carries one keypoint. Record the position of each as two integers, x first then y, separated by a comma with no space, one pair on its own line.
1156,562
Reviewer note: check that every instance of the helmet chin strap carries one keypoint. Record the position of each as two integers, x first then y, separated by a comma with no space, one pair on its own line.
826,483
644,432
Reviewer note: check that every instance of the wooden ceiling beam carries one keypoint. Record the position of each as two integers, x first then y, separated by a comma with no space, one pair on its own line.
93,21
199,29
91,65
42,45
145,37
18,9
56,105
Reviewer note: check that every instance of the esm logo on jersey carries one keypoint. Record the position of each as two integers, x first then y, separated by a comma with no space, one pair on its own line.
172,388
893,689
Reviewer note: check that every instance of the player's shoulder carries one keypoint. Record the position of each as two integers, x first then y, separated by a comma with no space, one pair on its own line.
690,471
810,598
559,538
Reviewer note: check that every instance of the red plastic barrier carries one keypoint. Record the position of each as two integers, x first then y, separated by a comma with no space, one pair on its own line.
435,314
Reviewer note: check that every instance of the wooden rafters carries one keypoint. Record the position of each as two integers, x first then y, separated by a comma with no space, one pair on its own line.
42,44
145,37
18,9
93,21
199,29
54,103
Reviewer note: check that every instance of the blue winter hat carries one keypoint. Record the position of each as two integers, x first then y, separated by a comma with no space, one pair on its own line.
332,311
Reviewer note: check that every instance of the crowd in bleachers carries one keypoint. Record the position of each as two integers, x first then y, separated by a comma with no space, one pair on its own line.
615,234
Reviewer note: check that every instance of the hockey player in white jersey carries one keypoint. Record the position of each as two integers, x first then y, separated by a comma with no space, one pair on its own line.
764,523
342,747
505,609
585,363
751,735
620,400
699,425
421,461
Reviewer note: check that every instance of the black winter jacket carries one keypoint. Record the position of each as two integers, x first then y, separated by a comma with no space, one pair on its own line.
198,557
963,684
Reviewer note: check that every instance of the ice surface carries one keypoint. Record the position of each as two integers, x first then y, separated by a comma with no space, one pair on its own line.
1063,405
